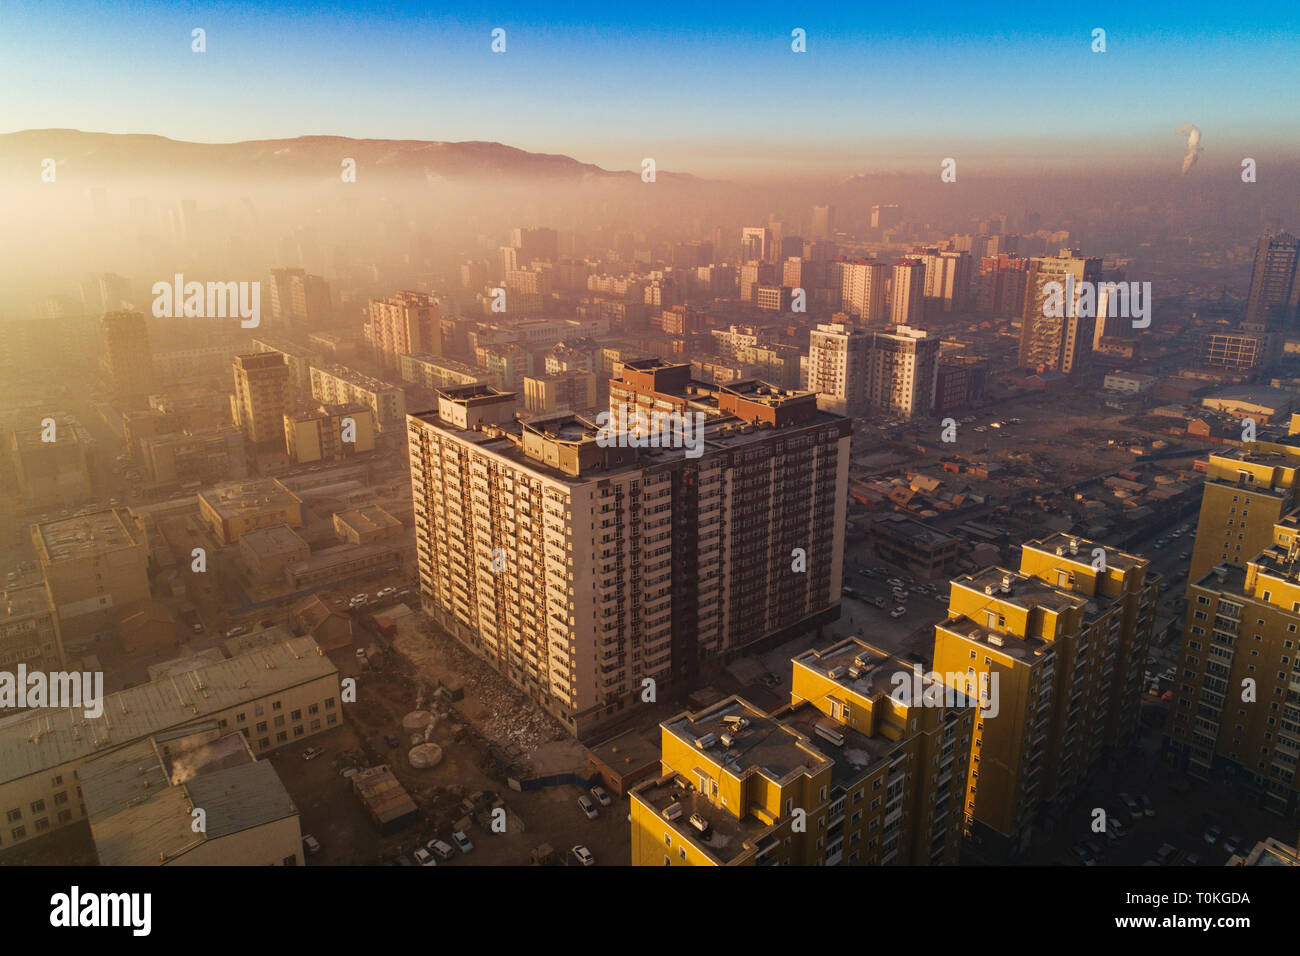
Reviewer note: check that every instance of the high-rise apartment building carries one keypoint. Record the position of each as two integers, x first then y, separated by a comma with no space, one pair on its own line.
580,563
907,292
1274,288
1247,492
886,215
755,242
1057,651
404,324
261,396
300,301
863,286
847,774
300,358
1054,337
823,222
902,372
947,278
329,433
572,391
1236,709
340,385
128,354
837,368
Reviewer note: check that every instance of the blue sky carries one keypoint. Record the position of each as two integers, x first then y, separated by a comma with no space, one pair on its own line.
711,89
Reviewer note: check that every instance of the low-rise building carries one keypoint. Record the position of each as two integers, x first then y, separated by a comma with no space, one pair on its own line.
142,800
266,551
229,510
275,695
366,525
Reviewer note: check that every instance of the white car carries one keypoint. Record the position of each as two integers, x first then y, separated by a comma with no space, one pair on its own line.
424,857
583,855
385,592
462,841
898,612
601,796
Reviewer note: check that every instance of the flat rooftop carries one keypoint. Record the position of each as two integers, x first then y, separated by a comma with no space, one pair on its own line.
729,833
1025,592
268,542
353,377
86,534
235,498
37,741
21,602
505,440
765,745
139,800
369,518
1018,648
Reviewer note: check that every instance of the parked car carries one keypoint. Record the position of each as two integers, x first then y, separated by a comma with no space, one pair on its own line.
236,631
311,753
898,612
1192,859
361,653
1166,854
1212,835
384,592
1131,805
1081,854
583,855
348,773
848,592
1232,844
879,602
462,841
1148,808
310,845
588,807
601,796
441,850
424,857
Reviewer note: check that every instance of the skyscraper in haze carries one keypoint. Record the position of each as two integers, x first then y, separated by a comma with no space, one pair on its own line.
261,396
407,323
754,243
1274,289
128,353
823,222
907,293
299,300
1057,343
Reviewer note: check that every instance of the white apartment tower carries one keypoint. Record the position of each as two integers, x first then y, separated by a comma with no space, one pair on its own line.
837,369
579,567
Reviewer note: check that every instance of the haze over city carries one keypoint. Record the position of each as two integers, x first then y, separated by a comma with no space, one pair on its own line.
650,436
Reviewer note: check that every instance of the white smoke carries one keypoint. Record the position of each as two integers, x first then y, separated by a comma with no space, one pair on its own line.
1193,145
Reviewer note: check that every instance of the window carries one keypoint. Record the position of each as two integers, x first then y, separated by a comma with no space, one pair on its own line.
38,806
15,815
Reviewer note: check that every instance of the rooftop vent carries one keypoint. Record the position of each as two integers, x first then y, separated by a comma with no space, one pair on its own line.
705,742
1006,584
996,640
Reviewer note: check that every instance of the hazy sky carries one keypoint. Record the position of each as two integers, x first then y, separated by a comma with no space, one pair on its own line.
712,89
